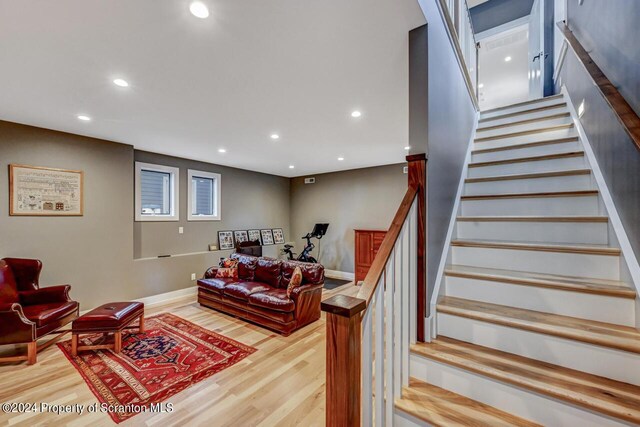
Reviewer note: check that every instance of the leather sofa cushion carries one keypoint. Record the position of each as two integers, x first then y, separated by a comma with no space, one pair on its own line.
268,271
242,290
114,315
43,314
275,299
312,274
8,289
216,284
246,266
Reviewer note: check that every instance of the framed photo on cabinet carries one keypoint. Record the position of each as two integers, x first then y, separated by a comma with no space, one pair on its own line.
278,236
267,237
225,240
254,235
240,236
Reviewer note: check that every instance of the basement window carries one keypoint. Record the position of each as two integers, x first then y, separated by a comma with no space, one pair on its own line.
203,199
156,192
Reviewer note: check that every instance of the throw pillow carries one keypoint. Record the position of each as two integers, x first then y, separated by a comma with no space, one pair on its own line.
296,280
227,273
229,263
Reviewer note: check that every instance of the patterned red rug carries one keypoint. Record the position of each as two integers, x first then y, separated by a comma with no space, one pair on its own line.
170,356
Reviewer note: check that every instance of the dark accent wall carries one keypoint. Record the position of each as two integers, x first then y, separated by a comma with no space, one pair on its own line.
497,12
617,155
608,30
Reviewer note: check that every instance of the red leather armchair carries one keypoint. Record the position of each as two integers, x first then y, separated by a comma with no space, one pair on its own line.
28,312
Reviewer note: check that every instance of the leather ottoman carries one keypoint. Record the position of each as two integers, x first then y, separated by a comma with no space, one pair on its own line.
108,318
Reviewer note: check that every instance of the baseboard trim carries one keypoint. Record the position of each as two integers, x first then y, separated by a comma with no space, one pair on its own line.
164,298
335,274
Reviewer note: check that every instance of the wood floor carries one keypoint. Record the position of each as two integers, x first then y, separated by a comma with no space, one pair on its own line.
281,384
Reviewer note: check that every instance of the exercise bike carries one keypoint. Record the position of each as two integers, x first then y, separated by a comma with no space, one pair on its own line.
319,230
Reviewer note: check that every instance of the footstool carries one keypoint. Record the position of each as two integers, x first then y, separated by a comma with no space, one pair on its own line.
108,318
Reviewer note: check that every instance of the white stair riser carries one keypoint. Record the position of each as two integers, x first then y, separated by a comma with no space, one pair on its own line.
620,311
615,364
523,127
512,399
535,232
549,206
568,264
518,108
538,150
531,185
539,166
524,139
402,419
527,116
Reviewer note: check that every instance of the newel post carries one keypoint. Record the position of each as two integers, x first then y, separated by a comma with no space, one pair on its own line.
344,359
418,178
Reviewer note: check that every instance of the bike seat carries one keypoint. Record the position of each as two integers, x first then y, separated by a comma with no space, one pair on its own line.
288,246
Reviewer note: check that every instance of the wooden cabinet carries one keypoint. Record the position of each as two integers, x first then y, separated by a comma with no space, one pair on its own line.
367,245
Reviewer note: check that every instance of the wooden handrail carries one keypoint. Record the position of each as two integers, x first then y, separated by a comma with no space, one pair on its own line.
378,266
625,114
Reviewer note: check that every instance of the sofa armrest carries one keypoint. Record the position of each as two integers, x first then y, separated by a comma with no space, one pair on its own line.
300,291
45,295
307,299
14,326
211,272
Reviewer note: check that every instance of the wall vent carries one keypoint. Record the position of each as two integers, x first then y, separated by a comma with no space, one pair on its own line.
309,180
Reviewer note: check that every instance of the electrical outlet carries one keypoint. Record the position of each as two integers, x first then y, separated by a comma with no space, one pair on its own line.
193,276
180,230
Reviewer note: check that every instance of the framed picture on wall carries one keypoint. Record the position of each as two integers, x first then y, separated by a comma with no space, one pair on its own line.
267,237
40,191
254,235
225,240
278,236
240,236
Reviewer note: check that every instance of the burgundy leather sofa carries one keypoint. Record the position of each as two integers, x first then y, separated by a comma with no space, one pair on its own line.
27,311
259,295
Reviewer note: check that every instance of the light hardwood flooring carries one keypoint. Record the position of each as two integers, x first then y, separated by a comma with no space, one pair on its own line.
282,384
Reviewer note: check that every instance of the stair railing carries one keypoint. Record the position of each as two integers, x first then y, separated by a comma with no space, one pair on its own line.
368,336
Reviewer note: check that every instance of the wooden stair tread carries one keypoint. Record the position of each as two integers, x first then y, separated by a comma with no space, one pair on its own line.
536,175
567,283
599,333
574,248
524,122
577,193
528,111
526,132
440,407
519,104
526,145
599,394
544,157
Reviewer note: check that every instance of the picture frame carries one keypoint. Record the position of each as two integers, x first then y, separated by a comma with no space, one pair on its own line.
225,240
278,236
43,191
267,237
240,236
254,235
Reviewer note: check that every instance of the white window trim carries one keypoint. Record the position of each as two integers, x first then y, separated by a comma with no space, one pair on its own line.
217,179
175,193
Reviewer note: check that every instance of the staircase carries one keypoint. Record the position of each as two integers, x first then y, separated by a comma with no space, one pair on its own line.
535,323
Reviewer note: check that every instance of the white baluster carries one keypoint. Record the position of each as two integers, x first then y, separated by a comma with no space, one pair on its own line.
406,284
388,395
397,315
379,354
367,365
413,274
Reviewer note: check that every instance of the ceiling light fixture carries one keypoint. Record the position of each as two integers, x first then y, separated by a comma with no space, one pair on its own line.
199,9
481,85
121,83
356,114
408,147
221,150
84,118
507,59
275,136
291,166
340,159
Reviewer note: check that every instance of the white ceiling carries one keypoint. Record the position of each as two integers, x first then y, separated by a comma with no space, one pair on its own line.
504,82
254,67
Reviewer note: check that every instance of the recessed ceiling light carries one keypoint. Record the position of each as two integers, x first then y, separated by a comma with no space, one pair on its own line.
84,118
507,59
221,150
407,148
291,166
481,85
340,159
121,83
199,9
356,114
275,136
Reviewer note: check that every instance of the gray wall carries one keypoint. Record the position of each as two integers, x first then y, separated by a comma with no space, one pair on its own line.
250,200
497,12
361,198
617,155
608,30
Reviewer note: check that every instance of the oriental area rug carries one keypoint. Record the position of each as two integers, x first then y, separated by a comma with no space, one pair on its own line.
170,356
